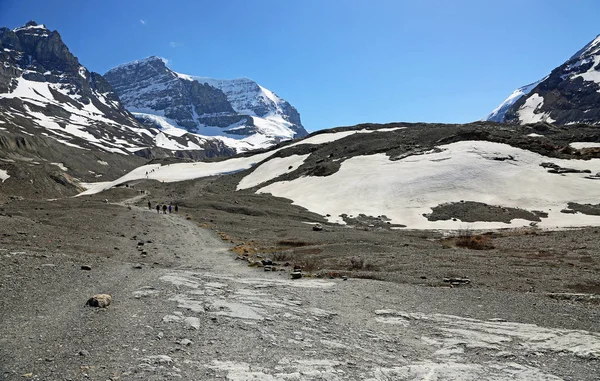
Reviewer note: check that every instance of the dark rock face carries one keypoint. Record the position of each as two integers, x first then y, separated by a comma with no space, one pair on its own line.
148,87
569,95
149,84
40,57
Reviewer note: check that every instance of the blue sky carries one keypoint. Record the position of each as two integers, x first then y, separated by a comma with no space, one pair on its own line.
338,62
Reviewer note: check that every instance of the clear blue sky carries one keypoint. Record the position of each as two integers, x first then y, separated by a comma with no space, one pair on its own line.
339,62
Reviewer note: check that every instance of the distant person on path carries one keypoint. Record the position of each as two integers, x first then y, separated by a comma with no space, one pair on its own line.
164,209
158,208
149,205
176,208
170,208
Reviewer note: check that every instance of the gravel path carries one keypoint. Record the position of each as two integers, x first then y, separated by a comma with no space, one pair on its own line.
186,310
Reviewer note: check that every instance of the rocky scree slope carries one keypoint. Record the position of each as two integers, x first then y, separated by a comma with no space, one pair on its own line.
240,109
570,94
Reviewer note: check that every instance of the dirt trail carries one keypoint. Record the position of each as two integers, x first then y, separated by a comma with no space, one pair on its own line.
188,311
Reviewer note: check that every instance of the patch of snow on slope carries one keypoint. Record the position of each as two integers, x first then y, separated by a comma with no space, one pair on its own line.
499,112
61,166
580,145
329,137
4,175
237,142
527,112
274,125
180,171
272,169
189,171
404,190
161,140
592,75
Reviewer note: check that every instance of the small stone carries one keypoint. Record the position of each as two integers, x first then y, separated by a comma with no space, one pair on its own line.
137,266
317,227
84,353
296,275
192,322
86,267
99,300
185,342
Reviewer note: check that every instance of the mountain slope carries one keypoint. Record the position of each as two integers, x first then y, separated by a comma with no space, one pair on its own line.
570,94
420,176
237,109
500,112
60,122
44,90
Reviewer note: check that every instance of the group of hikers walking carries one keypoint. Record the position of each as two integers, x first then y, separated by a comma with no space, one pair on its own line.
164,208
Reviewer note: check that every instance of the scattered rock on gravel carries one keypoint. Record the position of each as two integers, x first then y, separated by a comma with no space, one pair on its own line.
192,322
296,274
99,300
86,267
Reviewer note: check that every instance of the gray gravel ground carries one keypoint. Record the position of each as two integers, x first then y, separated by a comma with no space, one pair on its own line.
184,309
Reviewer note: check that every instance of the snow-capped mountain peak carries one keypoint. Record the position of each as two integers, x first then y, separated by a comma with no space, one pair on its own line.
570,94
45,91
240,109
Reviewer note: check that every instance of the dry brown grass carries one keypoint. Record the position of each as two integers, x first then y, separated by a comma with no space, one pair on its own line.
467,240
293,243
308,264
281,256
474,242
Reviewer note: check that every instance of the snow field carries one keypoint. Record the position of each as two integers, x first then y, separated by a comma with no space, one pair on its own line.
272,169
580,145
404,190
189,171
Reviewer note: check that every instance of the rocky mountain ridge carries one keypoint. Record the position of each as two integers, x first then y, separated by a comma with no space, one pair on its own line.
44,90
60,122
239,109
570,94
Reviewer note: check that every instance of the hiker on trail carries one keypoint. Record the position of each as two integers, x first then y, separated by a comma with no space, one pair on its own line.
176,208
149,205
164,209
170,208
158,208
